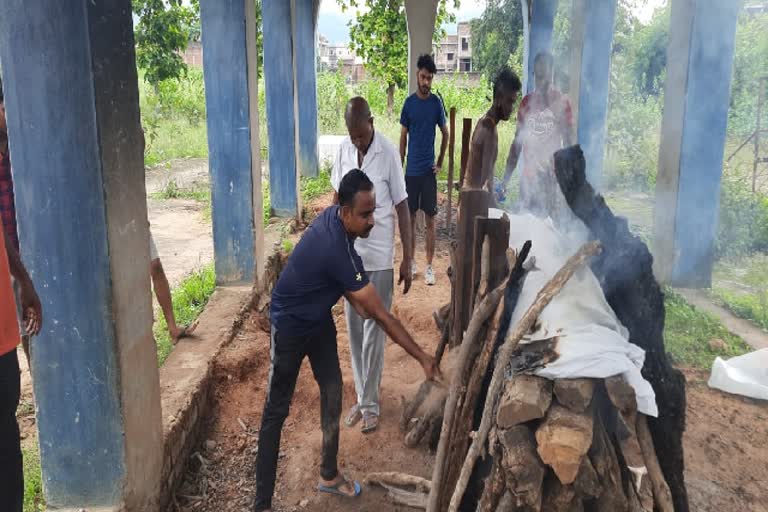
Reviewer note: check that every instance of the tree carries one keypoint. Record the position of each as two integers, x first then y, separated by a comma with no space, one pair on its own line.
496,35
380,37
162,33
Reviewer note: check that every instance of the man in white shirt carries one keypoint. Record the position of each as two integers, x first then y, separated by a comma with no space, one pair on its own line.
373,154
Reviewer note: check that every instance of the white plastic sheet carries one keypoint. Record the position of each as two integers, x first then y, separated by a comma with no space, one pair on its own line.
592,341
745,375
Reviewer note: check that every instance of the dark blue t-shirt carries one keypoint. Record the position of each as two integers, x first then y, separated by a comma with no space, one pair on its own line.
420,117
322,266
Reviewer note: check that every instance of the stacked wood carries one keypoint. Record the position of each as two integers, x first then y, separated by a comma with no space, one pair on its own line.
508,440
625,272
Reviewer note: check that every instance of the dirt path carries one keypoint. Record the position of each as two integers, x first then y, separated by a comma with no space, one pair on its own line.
726,454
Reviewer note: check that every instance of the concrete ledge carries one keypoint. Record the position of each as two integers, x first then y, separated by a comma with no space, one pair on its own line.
185,380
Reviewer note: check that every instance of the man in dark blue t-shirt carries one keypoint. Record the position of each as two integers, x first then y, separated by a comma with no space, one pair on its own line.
322,267
422,111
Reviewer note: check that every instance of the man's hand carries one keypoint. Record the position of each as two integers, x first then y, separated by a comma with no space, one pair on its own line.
405,275
437,168
33,310
431,369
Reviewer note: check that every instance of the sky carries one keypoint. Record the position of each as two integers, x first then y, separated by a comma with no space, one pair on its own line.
332,22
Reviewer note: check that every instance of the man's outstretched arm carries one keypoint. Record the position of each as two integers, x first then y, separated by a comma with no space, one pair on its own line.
30,302
367,300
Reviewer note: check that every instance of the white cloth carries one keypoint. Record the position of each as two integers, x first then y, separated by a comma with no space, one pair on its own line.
153,254
745,375
592,341
383,167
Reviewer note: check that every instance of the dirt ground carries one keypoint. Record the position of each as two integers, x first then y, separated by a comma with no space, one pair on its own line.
725,444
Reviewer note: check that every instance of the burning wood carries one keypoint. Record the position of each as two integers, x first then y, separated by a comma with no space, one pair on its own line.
511,440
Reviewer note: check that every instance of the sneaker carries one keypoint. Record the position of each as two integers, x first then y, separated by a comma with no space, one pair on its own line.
429,275
414,270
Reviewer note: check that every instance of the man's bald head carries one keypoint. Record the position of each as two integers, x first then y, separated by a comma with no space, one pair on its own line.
357,112
359,123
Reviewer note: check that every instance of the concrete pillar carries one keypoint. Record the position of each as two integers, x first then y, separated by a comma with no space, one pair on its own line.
538,24
420,16
281,123
72,100
593,42
231,97
696,100
305,73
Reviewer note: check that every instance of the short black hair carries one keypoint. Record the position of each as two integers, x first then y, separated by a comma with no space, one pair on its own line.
546,57
426,62
353,182
506,80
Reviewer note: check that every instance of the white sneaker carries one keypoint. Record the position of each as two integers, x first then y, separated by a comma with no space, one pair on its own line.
429,275
414,270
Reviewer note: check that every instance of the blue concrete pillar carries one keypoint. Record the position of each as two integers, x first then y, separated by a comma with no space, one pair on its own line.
281,120
538,24
231,96
72,103
595,48
696,101
420,16
305,38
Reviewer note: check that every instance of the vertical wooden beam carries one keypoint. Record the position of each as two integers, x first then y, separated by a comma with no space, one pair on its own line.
474,203
466,139
451,148
497,231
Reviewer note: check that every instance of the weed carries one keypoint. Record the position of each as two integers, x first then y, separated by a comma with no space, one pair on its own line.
33,481
688,332
189,299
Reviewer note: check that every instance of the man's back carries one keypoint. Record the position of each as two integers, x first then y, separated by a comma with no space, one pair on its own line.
322,266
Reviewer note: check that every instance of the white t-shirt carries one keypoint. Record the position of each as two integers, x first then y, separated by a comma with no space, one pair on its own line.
383,167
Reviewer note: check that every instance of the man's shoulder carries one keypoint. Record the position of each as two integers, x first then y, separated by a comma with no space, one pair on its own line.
387,146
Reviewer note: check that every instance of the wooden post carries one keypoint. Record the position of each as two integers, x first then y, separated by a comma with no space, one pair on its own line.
498,234
474,203
451,148
466,139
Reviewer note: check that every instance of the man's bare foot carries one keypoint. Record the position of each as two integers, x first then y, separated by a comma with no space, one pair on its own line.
182,332
340,485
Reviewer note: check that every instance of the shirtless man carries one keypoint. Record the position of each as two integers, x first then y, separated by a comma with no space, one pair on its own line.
485,139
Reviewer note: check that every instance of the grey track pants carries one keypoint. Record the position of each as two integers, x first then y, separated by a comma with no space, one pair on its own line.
366,343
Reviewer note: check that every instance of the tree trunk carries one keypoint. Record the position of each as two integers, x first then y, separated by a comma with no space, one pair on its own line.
390,99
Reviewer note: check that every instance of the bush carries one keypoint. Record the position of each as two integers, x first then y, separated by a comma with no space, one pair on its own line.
743,226
332,97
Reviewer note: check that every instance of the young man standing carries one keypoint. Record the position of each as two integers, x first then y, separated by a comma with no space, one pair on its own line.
372,153
422,111
11,468
485,139
544,125
323,266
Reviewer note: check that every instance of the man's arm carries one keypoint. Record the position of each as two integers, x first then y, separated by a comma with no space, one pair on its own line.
367,299
404,224
30,302
443,145
403,143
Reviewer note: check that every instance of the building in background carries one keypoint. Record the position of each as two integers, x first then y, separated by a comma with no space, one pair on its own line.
454,52
339,57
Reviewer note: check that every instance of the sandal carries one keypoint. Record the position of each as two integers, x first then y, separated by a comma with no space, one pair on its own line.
336,488
353,416
370,422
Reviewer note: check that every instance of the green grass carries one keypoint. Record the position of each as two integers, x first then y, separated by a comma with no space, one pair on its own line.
688,332
189,299
175,138
312,188
741,285
33,481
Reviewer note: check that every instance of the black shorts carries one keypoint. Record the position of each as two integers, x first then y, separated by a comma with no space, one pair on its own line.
422,193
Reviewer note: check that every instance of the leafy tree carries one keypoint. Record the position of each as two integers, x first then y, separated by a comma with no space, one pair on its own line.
380,36
496,35
648,54
162,33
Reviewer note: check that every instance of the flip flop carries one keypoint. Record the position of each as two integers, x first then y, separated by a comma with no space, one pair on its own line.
334,489
370,422
353,416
